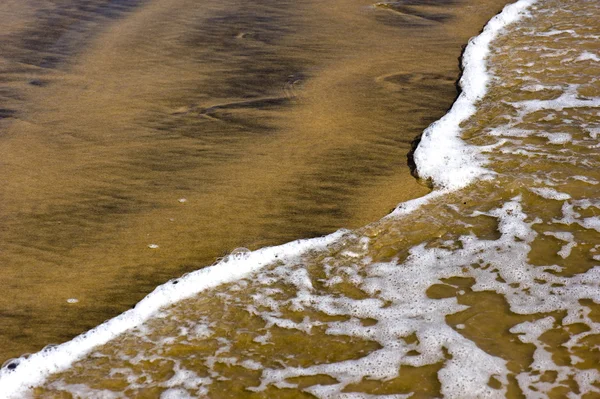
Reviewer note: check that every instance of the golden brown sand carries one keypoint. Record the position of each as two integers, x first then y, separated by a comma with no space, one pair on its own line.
199,127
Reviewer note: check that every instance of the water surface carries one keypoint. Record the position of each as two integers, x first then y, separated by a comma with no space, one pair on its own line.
140,140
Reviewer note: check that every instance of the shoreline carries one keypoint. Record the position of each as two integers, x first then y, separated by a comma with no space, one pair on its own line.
165,292
89,237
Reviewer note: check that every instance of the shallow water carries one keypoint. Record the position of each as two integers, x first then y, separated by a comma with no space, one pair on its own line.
487,291
141,140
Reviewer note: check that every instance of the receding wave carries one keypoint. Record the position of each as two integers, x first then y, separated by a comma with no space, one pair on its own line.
488,287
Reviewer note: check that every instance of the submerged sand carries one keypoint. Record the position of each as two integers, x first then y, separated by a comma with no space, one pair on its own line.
139,143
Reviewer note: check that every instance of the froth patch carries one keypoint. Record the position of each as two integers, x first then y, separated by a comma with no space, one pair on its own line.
550,193
442,156
587,56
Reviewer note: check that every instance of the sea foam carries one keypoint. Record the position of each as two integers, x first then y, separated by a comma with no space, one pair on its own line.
441,157
20,374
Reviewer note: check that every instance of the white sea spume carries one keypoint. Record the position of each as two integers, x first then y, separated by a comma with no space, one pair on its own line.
34,369
441,157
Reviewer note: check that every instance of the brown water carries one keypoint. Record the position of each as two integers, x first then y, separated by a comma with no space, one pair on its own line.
489,291
199,126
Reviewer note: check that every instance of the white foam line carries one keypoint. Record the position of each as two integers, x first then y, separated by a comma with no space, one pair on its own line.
33,370
410,206
442,156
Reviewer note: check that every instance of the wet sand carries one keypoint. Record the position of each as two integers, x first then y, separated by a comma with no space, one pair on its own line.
199,127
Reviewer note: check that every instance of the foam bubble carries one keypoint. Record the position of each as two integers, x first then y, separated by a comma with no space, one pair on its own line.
550,193
176,393
557,138
587,56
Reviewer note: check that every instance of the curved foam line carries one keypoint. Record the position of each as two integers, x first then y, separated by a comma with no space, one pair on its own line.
449,171
442,156
34,369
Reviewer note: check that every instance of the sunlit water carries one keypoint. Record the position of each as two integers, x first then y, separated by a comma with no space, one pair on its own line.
492,290
487,291
140,140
